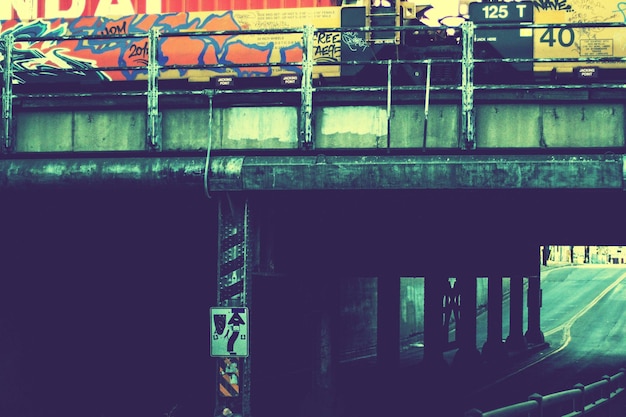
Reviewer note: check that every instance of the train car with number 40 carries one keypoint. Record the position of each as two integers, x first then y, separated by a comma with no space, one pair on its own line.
571,40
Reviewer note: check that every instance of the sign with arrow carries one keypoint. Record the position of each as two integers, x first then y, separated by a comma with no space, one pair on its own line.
229,331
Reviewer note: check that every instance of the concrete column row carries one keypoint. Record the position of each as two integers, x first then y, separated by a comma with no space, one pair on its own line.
435,334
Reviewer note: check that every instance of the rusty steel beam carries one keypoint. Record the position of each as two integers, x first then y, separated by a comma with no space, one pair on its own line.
319,172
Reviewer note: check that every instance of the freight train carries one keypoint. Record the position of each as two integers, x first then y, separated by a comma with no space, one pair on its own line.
91,42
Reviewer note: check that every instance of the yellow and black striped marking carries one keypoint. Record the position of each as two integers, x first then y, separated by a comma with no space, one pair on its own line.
229,377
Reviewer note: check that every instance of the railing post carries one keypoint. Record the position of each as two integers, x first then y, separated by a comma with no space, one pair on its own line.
606,388
389,89
306,102
7,94
620,378
154,117
538,398
207,162
468,140
579,404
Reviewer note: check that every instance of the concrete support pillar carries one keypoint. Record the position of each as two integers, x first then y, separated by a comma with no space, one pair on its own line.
324,328
388,336
516,340
468,356
534,335
434,331
323,363
493,348
323,400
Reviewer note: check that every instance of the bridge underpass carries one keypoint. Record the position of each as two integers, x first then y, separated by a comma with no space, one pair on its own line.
106,304
390,235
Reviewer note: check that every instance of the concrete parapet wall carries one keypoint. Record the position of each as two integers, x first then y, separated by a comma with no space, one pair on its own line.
507,125
81,131
550,125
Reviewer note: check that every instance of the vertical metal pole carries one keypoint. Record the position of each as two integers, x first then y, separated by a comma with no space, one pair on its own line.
7,94
207,163
306,101
154,117
467,86
426,103
234,278
388,104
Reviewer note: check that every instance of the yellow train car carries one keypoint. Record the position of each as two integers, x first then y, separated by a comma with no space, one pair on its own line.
576,38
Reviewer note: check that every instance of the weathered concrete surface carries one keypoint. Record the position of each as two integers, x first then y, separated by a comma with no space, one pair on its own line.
101,172
323,172
257,128
507,126
109,131
80,131
355,127
584,125
498,125
562,125
44,131
187,129
443,128
433,172
361,127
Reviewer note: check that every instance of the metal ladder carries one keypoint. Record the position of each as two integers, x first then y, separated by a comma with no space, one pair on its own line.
384,13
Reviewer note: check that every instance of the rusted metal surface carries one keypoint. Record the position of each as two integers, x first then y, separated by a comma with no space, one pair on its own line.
319,172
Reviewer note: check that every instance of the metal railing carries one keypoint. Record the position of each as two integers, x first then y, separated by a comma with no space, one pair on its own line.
153,71
605,398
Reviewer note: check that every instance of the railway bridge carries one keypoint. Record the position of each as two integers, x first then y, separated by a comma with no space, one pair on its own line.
326,198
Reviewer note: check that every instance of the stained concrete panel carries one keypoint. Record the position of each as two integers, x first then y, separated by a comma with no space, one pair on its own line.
585,125
407,126
44,132
258,127
188,130
508,126
123,130
351,127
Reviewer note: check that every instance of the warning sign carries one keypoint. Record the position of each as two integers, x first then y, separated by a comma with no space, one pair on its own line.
596,47
229,331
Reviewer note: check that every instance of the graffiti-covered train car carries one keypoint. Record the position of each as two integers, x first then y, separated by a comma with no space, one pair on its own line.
76,54
79,42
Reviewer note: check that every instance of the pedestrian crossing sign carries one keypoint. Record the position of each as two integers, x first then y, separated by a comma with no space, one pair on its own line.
229,331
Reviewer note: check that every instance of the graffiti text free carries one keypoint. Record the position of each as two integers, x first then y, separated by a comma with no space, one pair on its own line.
327,45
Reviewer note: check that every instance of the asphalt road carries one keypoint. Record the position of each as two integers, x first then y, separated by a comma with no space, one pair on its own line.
583,320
